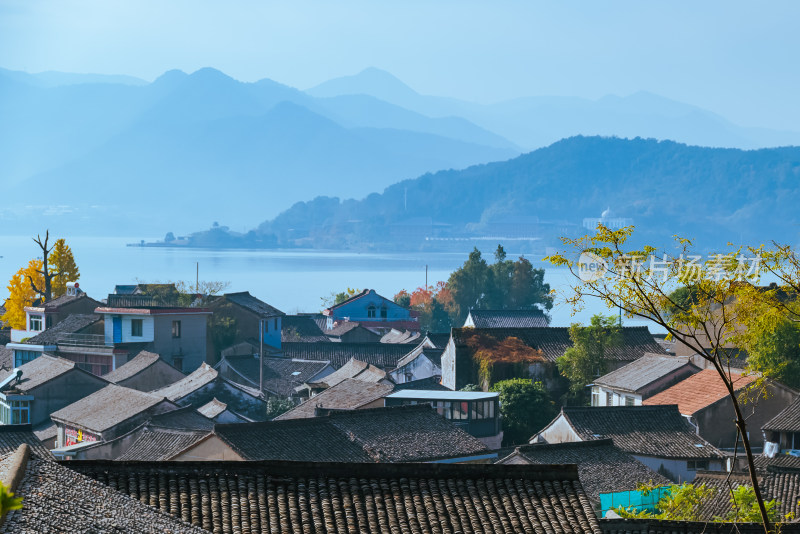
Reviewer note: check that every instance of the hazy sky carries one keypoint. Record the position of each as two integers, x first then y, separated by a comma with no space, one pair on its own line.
736,58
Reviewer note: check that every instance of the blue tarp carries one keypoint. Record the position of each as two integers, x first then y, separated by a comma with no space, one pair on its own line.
635,499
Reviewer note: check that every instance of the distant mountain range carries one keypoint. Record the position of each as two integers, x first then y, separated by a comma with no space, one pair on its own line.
711,195
117,155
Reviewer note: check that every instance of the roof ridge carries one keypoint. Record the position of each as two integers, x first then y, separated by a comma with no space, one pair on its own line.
16,470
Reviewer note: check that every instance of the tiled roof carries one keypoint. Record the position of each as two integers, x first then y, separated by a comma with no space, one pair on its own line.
397,434
782,485
44,369
434,355
58,499
12,436
397,336
602,467
439,341
281,375
553,341
432,383
342,327
212,408
698,391
659,431
301,328
56,303
156,444
251,303
356,370
132,367
106,408
200,377
325,498
508,318
6,359
784,461
383,355
348,394
72,324
788,420
643,372
351,299
186,418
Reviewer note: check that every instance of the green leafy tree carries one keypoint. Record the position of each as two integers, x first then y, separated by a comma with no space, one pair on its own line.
775,352
337,298
278,405
526,408
7,501
682,502
469,285
586,359
403,299
471,387
744,508
727,307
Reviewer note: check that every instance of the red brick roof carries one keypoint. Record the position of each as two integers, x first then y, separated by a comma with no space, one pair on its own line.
698,391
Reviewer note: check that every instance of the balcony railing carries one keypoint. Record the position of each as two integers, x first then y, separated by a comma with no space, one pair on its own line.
143,301
81,340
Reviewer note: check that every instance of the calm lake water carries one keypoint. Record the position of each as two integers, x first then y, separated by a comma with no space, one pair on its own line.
290,280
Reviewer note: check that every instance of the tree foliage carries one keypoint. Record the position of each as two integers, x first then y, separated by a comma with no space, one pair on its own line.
586,358
726,307
526,408
22,294
7,501
337,298
63,267
278,405
503,285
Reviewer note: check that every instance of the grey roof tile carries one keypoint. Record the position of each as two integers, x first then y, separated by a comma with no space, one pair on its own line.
788,420
348,394
383,355
251,303
301,328
643,372
134,366
508,318
256,497
659,431
281,375
106,408
58,499
72,324
156,444
203,375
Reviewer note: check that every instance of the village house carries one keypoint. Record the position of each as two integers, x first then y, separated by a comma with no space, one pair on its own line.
503,353
248,314
351,332
159,437
40,317
703,399
399,434
301,328
353,369
105,415
280,377
631,384
349,394
377,498
30,393
60,339
533,318
781,434
156,324
602,467
382,355
424,361
657,436
218,411
206,384
477,412
147,371
373,311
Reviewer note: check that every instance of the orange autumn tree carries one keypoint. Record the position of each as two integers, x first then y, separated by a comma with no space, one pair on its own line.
433,304
488,352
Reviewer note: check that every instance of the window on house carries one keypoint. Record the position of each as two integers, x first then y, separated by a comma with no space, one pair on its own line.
14,412
276,323
176,329
177,362
35,324
595,397
384,312
694,465
628,400
609,398
24,356
371,311
136,327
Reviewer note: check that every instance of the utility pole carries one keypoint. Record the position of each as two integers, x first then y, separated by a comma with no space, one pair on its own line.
261,356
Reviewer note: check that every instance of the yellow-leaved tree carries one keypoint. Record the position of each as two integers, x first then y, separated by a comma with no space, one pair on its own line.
62,267
21,294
